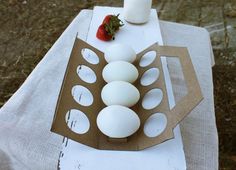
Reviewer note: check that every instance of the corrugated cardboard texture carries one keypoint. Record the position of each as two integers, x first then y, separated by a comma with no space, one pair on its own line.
139,140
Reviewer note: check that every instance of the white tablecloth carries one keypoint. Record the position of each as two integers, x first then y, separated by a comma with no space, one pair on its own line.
25,120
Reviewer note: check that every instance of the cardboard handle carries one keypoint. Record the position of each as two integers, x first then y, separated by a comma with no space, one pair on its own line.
194,95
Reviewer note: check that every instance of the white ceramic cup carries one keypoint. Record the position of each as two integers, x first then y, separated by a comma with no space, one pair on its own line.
137,11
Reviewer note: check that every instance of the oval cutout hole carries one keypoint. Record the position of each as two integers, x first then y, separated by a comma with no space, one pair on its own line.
152,99
155,125
86,74
90,56
77,121
147,58
150,76
82,95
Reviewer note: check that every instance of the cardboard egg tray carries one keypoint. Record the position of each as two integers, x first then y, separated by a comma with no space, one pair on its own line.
138,141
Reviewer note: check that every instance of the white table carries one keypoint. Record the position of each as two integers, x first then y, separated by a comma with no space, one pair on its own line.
25,120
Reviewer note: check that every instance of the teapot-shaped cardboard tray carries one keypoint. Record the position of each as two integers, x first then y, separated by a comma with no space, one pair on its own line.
92,136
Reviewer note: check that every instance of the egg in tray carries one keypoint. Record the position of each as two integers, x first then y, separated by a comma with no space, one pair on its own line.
117,100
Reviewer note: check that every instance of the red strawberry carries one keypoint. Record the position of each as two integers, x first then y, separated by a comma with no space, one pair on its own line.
104,33
113,21
110,25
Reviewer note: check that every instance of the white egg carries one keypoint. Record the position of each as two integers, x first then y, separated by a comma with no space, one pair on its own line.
120,71
118,121
120,52
120,93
